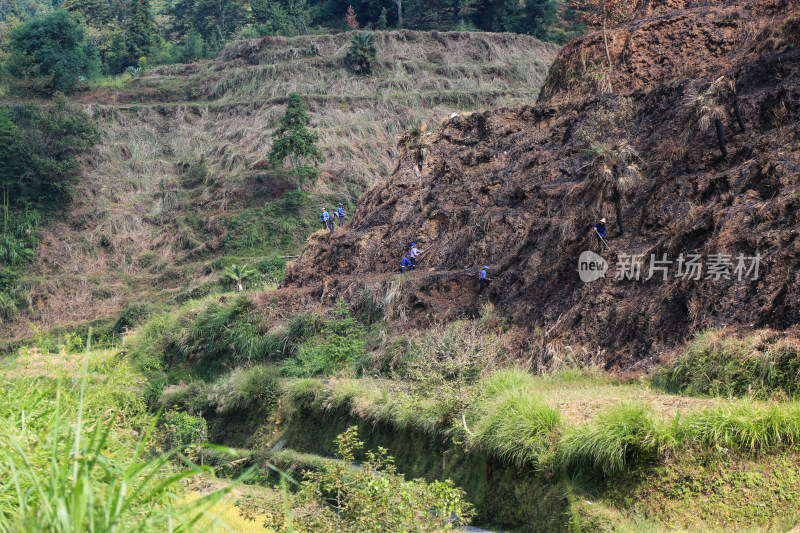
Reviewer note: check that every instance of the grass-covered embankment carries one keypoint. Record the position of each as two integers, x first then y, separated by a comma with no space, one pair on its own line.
698,465
526,449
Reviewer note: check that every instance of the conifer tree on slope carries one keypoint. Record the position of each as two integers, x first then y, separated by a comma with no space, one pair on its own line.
141,32
294,141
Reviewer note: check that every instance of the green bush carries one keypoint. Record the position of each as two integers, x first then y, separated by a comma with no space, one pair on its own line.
131,315
512,423
254,388
623,435
272,268
152,341
338,347
340,498
718,363
153,390
193,398
743,427
177,430
224,333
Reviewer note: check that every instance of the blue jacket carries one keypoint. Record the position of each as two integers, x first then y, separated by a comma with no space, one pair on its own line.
482,274
341,212
601,229
405,262
324,216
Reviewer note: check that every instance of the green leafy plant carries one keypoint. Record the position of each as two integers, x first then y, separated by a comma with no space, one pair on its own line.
362,53
371,498
237,275
70,465
177,430
337,347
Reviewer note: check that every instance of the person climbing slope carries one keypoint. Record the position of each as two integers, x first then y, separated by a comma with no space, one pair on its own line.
414,253
325,217
599,231
406,264
340,214
483,280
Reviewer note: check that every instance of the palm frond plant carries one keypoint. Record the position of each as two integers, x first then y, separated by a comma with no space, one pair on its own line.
237,275
411,142
362,53
706,109
611,172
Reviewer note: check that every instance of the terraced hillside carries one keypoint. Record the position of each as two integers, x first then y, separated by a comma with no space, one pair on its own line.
513,188
179,186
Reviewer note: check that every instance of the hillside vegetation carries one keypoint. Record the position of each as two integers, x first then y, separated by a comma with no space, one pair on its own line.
351,398
179,185
665,158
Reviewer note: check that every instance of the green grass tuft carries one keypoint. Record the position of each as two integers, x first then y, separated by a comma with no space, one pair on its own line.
719,363
622,435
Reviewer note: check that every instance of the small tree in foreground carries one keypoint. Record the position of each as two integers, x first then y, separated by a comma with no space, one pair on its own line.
237,275
294,141
374,497
611,172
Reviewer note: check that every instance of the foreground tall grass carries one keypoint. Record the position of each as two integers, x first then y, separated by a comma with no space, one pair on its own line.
75,457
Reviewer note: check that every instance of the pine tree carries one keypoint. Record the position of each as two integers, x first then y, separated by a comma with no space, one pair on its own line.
141,32
293,141
382,23
95,12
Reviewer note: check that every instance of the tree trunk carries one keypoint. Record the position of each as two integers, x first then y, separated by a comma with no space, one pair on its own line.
399,13
239,287
608,54
419,177
618,207
5,209
738,112
721,137
297,177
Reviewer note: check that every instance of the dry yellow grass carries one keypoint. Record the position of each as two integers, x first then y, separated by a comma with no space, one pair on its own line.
131,234
226,516
579,402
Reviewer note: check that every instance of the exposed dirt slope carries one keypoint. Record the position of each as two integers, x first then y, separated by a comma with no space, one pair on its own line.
146,228
502,188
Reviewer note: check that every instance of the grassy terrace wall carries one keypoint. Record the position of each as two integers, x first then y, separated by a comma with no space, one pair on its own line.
710,460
